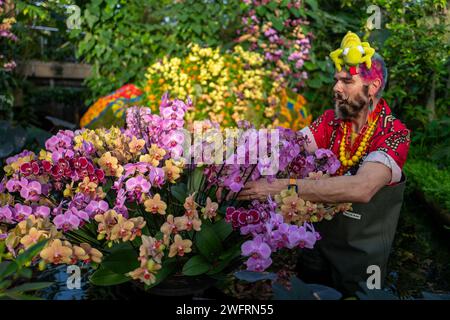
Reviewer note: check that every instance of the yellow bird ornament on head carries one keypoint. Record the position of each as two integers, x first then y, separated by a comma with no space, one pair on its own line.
352,52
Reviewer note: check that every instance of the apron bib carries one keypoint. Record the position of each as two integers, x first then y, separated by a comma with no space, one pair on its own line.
353,241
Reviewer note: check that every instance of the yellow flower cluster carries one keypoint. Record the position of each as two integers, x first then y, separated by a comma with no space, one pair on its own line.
115,227
225,87
298,211
114,147
58,250
62,251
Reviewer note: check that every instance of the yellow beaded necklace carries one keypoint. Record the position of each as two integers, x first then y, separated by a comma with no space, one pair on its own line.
362,148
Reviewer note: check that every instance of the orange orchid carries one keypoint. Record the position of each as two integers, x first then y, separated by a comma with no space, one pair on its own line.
172,171
57,252
210,210
180,247
155,205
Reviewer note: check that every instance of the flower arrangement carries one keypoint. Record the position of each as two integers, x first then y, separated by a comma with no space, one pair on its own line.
226,87
132,204
274,29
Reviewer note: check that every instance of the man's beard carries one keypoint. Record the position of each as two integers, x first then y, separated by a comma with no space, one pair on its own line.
347,108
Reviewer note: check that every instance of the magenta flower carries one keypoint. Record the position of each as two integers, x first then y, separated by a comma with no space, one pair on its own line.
169,125
258,264
138,184
61,141
256,248
173,138
6,214
234,181
174,112
96,207
305,238
156,177
133,168
66,221
13,185
22,211
31,191
42,211
81,214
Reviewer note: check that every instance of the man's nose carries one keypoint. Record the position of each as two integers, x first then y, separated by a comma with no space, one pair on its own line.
337,88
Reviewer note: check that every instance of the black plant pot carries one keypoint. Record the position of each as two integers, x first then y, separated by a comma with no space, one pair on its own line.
180,285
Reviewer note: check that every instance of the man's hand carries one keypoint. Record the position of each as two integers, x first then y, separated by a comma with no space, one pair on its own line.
261,189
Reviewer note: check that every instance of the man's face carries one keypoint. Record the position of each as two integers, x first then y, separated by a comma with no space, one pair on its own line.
351,95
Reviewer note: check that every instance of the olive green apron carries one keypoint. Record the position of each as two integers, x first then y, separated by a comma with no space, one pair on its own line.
353,241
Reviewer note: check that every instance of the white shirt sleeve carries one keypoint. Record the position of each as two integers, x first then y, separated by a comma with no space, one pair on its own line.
384,158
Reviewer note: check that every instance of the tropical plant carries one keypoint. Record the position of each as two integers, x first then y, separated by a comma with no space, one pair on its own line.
15,274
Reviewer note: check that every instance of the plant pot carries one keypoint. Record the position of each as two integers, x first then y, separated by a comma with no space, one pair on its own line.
180,285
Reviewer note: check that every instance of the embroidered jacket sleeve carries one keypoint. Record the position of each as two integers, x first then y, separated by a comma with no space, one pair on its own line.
390,147
319,131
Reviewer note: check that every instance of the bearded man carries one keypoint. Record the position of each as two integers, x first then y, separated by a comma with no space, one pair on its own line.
372,146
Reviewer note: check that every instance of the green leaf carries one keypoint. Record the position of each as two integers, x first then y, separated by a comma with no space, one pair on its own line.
208,243
179,191
91,19
195,266
197,29
196,180
314,83
312,4
21,296
5,284
297,12
30,253
222,229
272,5
25,273
7,269
261,10
277,23
168,267
105,277
29,287
310,66
121,261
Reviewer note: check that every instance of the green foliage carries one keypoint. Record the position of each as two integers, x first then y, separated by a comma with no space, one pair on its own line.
122,38
106,277
196,265
14,272
433,143
208,242
431,181
327,26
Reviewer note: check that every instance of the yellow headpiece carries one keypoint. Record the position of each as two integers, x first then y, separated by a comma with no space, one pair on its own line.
352,52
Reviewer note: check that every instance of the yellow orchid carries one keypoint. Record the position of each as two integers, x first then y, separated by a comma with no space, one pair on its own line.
33,237
179,246
110,165
155,205
57,252
171,171
154,156
136,145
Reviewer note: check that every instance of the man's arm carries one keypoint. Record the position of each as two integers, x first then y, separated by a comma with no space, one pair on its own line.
361,187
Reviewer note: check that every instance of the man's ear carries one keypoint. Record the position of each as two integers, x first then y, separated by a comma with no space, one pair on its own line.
375,86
